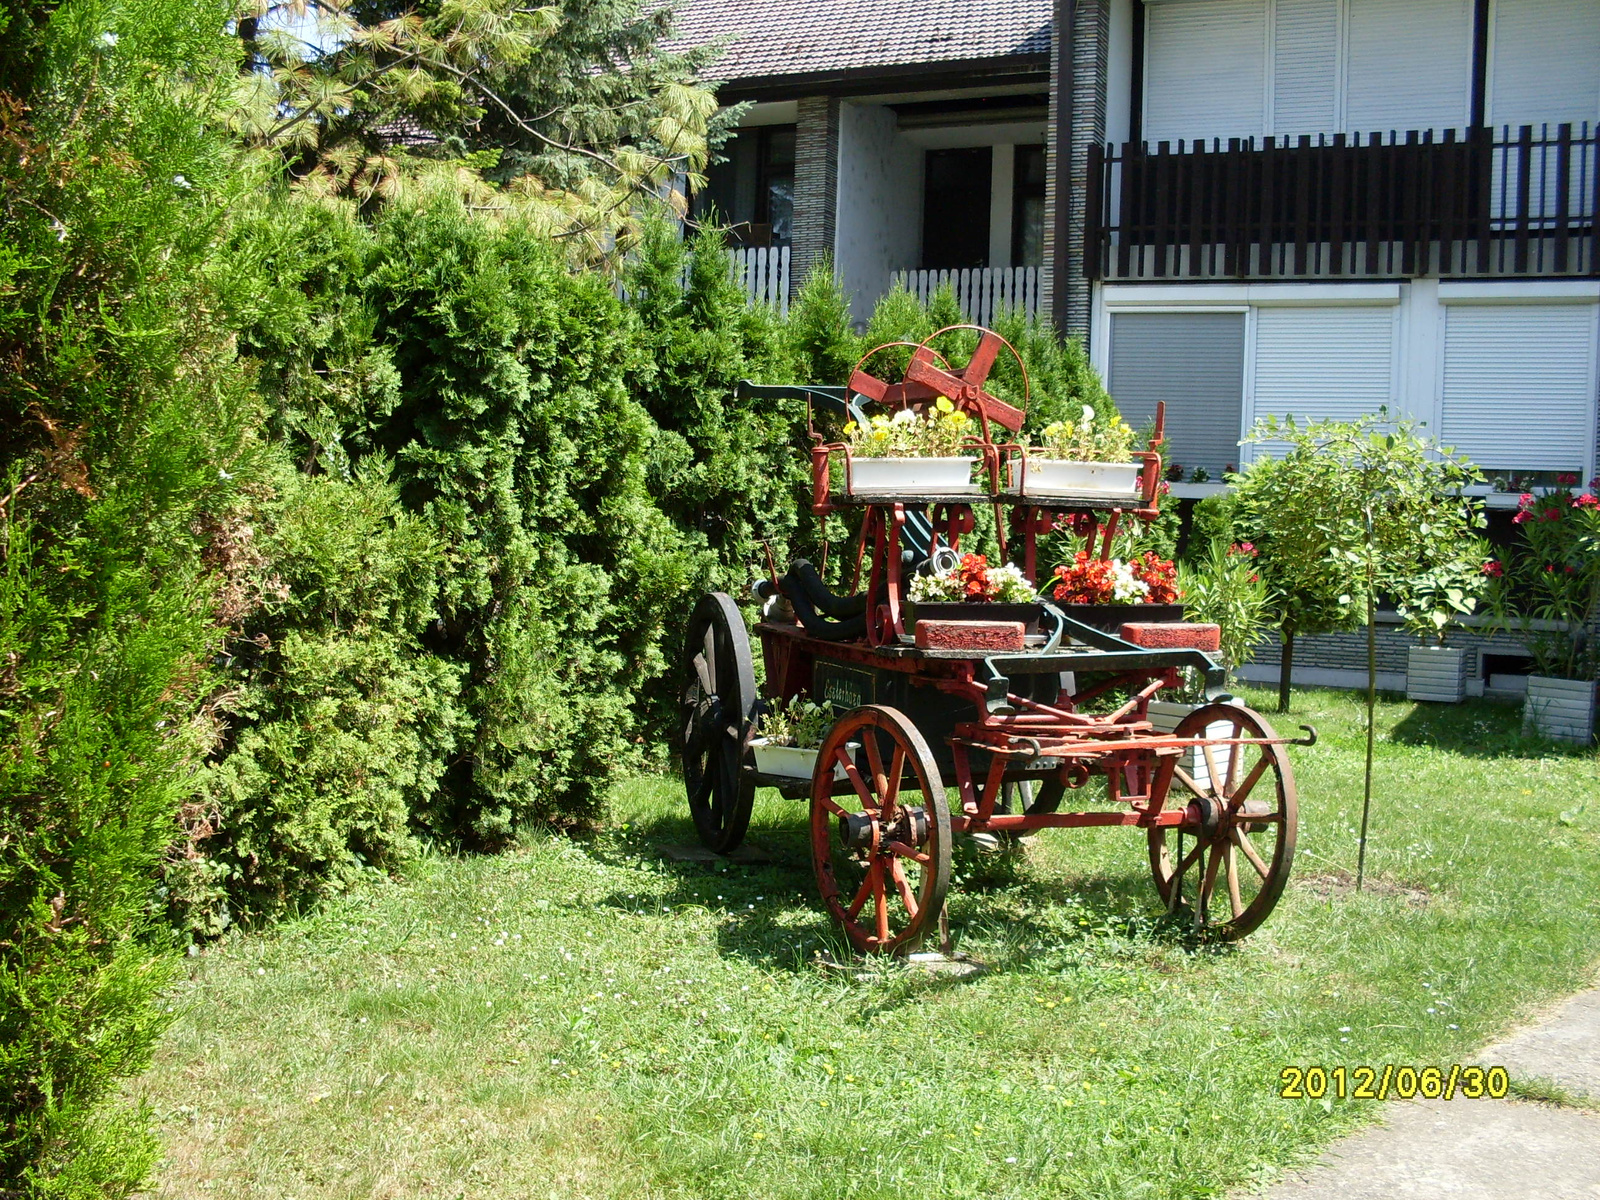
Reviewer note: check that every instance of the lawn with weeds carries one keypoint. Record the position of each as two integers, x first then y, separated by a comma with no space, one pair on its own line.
588,1018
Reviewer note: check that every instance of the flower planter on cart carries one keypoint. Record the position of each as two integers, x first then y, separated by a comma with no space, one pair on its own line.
912,476
1047,477
1560,709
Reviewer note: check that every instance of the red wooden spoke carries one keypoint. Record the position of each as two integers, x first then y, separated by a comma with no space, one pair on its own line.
1235,753
1208,884
1242,793
863,893
897,772
869,802
880,902
880,784
1212,773
1188,780
836,809
903,887
1243,842
1177,874
982,361
866,385
905,851
1231,865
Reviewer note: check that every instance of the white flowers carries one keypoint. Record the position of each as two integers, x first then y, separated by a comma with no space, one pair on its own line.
904,417
1088,416
1127,588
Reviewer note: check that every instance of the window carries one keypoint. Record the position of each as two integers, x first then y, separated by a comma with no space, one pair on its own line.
955,209
1246,68
1194,362
753,190
1027,208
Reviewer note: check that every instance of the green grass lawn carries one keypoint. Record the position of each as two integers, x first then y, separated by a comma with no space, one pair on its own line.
588,1019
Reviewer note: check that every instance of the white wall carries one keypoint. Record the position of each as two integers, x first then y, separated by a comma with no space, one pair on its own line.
879,226
1119,71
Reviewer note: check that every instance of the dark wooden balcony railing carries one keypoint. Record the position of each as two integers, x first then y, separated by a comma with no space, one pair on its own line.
1490,203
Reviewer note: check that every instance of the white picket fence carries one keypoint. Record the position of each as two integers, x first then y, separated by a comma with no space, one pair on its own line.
982,293
766,274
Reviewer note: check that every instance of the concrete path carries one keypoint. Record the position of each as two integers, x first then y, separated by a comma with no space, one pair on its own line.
1482,1149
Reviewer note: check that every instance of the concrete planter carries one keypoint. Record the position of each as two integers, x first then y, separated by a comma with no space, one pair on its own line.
1436,673
1561,709
793,761
1061,477
1165,715
912,477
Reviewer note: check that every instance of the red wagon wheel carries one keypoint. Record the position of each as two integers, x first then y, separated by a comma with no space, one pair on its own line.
1228,863
882,851
719,691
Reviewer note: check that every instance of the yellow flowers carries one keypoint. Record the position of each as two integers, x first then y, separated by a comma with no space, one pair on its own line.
939,432
1086,441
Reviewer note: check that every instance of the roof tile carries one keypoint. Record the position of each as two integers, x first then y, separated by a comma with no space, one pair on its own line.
801,37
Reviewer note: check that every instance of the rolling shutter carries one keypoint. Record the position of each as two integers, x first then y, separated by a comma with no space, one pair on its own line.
1519,385
1305,67
1334,363
1546,66
1409,66
1205,69
1193,361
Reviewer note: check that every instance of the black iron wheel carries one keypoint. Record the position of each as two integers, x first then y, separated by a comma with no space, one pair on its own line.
719,692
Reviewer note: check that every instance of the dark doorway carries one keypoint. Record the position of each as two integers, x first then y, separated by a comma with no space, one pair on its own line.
955,209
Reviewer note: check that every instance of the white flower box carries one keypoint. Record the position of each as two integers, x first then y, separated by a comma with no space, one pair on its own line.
791,761
1166,714
912,477
1436,673
1561,709
1062,477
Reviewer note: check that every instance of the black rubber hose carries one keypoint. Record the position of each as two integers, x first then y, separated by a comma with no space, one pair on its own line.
803,580
821,627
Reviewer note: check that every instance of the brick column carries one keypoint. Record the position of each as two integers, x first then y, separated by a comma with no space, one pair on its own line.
816,184
1077,95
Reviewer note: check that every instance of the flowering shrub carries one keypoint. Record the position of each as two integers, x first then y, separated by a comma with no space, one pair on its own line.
1144,580
942,433
1552,575
973,581
1089,439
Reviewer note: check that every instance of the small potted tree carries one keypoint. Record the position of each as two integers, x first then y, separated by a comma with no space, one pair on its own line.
911,454
1545,593
1431,602
1088,456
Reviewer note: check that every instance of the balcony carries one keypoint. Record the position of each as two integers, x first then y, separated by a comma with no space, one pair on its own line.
1494,203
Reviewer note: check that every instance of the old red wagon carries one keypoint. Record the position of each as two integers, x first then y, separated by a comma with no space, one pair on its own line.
994,726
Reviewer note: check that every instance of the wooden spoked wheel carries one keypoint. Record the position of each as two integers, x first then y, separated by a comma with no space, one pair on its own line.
1229,861
881,850
719,691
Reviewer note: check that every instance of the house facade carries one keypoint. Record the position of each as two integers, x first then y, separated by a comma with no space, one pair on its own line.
903,140
1315,208
1324,207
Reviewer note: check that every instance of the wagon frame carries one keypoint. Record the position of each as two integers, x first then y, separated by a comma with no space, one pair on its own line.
1011,733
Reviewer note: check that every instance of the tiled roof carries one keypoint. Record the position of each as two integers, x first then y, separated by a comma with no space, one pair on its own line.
802,37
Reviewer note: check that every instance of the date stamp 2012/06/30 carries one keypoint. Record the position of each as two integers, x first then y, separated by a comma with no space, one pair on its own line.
1391,1082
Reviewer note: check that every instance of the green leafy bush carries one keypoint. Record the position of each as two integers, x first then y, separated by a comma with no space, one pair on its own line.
122,415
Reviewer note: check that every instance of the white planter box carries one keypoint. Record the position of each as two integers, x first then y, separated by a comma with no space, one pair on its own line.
789,760
1436,673
1562,709
912,477
1057,477
1165,715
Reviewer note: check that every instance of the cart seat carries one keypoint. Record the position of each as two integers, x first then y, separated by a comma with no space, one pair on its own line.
1173,635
